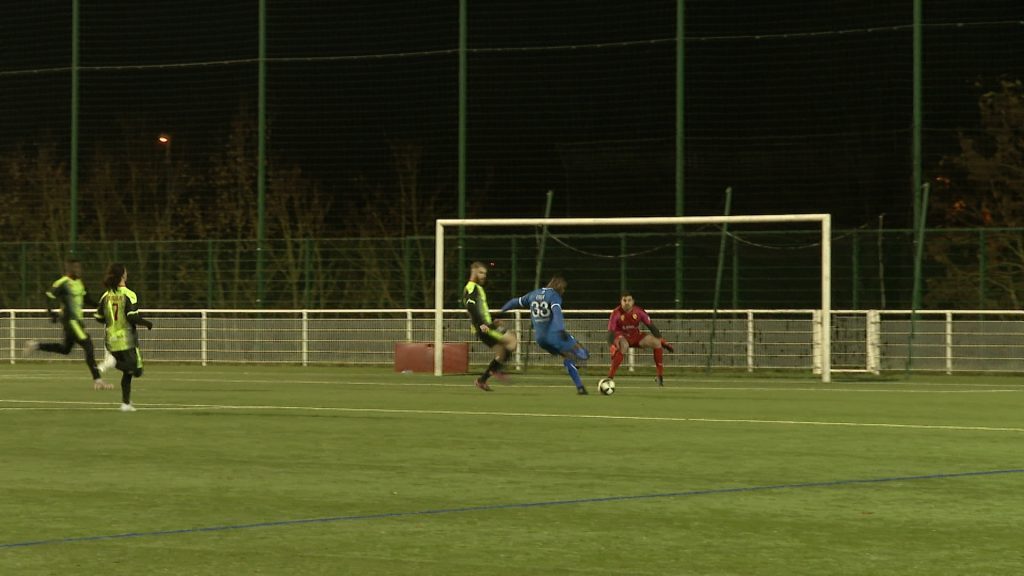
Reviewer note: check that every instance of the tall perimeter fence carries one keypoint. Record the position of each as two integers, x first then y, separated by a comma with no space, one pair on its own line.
252,154
969,269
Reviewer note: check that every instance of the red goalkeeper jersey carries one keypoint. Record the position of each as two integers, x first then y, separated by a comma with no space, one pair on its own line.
627,322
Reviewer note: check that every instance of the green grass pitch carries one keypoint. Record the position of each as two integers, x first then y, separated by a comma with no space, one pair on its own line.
327,470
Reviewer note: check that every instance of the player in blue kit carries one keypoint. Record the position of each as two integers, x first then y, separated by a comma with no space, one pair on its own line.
545,306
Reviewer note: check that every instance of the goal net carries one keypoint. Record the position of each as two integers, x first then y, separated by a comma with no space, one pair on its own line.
738,292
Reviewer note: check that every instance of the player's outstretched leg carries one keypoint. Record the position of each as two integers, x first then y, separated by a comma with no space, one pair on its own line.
497,367
659,366
481,380
617,358
56,348
30,347
108,363
574,373
580,352
126,393
503,352
90,360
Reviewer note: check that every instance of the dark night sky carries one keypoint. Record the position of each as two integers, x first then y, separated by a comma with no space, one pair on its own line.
802,106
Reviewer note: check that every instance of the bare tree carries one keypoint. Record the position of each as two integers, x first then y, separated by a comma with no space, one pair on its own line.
983,187
395,234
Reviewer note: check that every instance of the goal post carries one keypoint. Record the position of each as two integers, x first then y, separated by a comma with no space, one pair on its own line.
823,328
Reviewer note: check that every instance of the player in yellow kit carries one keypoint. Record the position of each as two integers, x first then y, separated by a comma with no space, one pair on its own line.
501,341
118,310
65,300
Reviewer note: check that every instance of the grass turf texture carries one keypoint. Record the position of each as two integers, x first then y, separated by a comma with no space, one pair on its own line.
280,470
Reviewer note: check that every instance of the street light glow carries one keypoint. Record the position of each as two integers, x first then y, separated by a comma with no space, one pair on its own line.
163,139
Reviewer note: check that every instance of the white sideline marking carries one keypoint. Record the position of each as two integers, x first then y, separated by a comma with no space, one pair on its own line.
681,385
173,407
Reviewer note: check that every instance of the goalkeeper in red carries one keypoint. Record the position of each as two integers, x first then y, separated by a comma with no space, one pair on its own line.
624,332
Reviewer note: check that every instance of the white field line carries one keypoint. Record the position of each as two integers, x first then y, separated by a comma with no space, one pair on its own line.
46,371
677,383
685,386
567,386
150,407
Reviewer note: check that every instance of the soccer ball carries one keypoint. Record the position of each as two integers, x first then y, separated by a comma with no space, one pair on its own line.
606,386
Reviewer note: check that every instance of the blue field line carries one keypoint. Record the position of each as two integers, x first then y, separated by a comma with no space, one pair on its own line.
386,515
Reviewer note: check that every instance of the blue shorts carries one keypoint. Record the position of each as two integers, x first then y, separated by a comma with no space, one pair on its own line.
556,345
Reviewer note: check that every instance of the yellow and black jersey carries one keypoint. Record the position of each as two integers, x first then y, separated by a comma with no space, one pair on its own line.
68,295
474,299
119,312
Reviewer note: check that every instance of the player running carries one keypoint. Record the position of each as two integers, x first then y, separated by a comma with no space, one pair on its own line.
503,343
624,332
545,306
118,311
64,304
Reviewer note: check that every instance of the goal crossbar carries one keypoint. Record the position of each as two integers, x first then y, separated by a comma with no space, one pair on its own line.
824,220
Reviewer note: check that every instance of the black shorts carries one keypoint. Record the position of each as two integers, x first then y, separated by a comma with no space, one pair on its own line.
74,331
491,337
129,361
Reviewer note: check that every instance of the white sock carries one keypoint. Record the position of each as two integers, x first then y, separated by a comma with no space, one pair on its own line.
108,362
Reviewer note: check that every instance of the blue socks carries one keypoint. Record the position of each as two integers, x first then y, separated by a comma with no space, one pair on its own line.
574,373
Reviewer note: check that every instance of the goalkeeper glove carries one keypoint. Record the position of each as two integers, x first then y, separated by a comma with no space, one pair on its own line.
667,346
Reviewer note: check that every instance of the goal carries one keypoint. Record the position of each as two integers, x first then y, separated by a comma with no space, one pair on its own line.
447,260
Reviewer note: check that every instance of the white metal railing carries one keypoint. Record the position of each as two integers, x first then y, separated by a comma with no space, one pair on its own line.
749,340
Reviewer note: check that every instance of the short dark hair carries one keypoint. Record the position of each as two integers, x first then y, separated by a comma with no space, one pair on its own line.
558,281
624,293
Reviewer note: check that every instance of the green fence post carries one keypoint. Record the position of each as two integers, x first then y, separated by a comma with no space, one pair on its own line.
718,279
307,270
160,294
680,144
407,272
881,262
735,274
463,89
210,255
543,240
514,268
75,59
23,265
261,153
982,268
622,262
919,233
855,271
